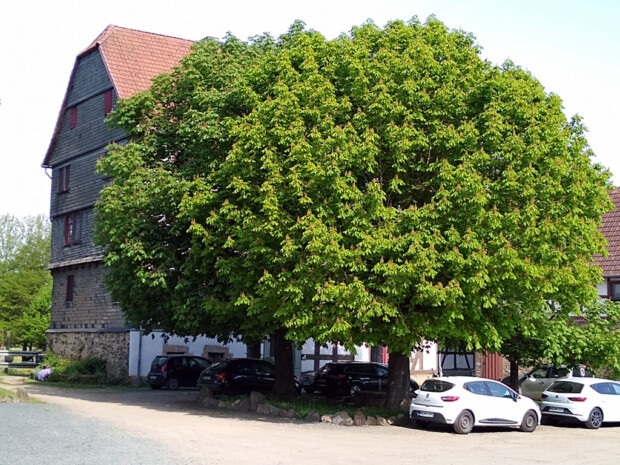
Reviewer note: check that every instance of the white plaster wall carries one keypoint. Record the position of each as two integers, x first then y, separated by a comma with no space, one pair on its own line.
362,354
144,348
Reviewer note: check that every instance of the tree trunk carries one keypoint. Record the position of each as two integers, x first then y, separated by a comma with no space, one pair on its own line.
284,383
253,350
398,382
514,375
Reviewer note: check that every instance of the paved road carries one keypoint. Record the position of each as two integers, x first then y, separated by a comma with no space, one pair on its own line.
162,427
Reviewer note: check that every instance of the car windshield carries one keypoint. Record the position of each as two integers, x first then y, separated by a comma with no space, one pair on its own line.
436,385
566,387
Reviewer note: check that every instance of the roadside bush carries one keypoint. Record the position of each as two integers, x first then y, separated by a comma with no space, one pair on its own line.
87,371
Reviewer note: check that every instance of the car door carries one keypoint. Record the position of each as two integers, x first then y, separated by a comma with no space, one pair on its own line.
380,376
242,376
609,399
195,366
614,412
504,409
363,375
535,383
177,367
479,401
265,376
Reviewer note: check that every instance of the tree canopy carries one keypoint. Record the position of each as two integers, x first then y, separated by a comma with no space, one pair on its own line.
386,187
24,257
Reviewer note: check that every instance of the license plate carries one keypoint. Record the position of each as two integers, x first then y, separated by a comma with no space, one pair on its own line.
556,409
152,377
426,414
206,378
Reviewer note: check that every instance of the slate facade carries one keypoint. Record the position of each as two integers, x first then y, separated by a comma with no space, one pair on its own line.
117,64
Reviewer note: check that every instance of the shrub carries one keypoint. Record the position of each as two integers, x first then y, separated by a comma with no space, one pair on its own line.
93,369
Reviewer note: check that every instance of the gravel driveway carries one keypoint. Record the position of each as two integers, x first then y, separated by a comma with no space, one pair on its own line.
135,426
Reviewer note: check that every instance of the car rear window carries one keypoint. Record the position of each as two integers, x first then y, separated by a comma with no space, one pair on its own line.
436,385
218,367
158,362
566,387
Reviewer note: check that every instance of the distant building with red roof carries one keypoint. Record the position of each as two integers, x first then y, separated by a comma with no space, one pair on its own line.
610,265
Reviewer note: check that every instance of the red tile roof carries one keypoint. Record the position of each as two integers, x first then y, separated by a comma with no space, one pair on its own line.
611,231
132,59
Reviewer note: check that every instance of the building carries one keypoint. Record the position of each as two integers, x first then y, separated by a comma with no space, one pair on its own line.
85,322
610,287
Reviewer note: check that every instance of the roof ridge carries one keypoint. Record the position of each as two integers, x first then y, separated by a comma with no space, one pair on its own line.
111,28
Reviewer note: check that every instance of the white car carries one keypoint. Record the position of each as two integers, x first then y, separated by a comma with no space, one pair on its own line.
465,402
592,401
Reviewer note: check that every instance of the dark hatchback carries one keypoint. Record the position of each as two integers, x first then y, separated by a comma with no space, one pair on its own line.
351,378
238,375
175,371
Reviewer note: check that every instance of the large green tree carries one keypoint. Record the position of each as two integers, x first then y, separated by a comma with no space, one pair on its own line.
385,187
24,258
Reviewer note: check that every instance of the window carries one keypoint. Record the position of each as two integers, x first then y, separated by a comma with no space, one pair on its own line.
73,228
107,102
498,390
615,290
70,288
476,387
63,179
604,388
73,117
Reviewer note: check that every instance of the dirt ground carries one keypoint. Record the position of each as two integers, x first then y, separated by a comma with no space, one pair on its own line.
217,437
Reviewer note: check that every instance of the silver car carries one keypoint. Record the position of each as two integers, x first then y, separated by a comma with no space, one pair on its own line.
536,381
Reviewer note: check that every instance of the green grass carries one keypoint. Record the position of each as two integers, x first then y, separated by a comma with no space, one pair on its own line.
11,395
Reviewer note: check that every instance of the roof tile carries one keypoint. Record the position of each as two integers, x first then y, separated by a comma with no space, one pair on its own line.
133,58
611,231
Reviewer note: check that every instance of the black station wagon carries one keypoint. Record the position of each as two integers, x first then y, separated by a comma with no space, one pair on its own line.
175,371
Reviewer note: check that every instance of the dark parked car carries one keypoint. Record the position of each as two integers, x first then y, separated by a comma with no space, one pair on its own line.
351,378
175,371
238,375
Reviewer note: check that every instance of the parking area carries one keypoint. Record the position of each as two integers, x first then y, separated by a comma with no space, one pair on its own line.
213,437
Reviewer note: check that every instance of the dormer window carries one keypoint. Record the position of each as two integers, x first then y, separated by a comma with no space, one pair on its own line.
63,179
73,117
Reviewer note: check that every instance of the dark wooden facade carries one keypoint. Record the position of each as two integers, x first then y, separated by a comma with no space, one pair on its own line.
117,64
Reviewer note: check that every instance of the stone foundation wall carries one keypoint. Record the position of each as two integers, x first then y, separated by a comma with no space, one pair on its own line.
113,347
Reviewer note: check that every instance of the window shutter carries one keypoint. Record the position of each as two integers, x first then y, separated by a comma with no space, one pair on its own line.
77,229
61,180
73,117
107,102
67,229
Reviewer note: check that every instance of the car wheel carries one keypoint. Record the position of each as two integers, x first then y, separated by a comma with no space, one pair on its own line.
355,390
173,384
595,419
464,423
529,423
155,386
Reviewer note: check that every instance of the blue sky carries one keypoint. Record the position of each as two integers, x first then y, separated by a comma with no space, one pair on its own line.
572,47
